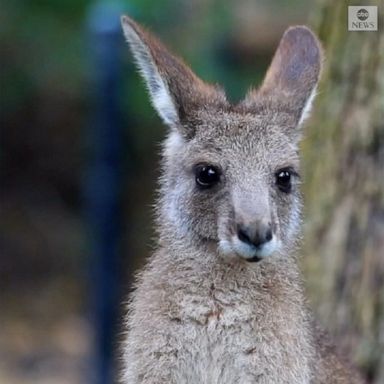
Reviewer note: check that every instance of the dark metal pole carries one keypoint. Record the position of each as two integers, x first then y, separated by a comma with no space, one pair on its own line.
103,182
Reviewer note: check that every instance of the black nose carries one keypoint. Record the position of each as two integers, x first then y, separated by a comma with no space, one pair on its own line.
256,234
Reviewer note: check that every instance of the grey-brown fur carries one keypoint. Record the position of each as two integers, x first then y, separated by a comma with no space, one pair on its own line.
201,312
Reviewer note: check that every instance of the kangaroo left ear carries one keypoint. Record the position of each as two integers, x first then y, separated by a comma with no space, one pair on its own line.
294,72
175,91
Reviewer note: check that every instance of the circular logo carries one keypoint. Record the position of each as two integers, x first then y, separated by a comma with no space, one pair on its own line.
362,14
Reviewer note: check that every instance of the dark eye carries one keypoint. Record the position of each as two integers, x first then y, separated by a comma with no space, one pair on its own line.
206,176
284,180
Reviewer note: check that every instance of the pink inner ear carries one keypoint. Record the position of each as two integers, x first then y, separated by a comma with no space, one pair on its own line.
296,65
302,55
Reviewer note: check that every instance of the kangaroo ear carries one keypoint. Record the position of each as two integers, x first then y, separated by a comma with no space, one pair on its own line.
294,72
175,90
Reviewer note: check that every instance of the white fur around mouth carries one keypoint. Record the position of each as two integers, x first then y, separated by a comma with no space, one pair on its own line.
248,252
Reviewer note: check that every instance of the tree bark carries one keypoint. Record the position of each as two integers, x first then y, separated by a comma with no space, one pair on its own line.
344,188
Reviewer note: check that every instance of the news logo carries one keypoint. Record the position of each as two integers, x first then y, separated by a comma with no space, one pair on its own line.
362,18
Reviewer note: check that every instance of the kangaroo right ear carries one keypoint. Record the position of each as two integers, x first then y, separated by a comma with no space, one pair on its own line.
175,90
294,72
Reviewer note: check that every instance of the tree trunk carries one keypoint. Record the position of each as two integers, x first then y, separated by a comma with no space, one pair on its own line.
344,188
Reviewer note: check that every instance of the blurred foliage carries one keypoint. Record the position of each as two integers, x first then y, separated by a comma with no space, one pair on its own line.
41,45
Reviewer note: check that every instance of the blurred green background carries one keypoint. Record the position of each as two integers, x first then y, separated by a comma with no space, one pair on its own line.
47,87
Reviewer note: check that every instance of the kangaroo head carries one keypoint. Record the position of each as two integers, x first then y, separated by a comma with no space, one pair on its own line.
231,172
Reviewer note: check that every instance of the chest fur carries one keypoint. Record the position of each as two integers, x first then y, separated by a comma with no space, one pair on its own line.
219,326
234,337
